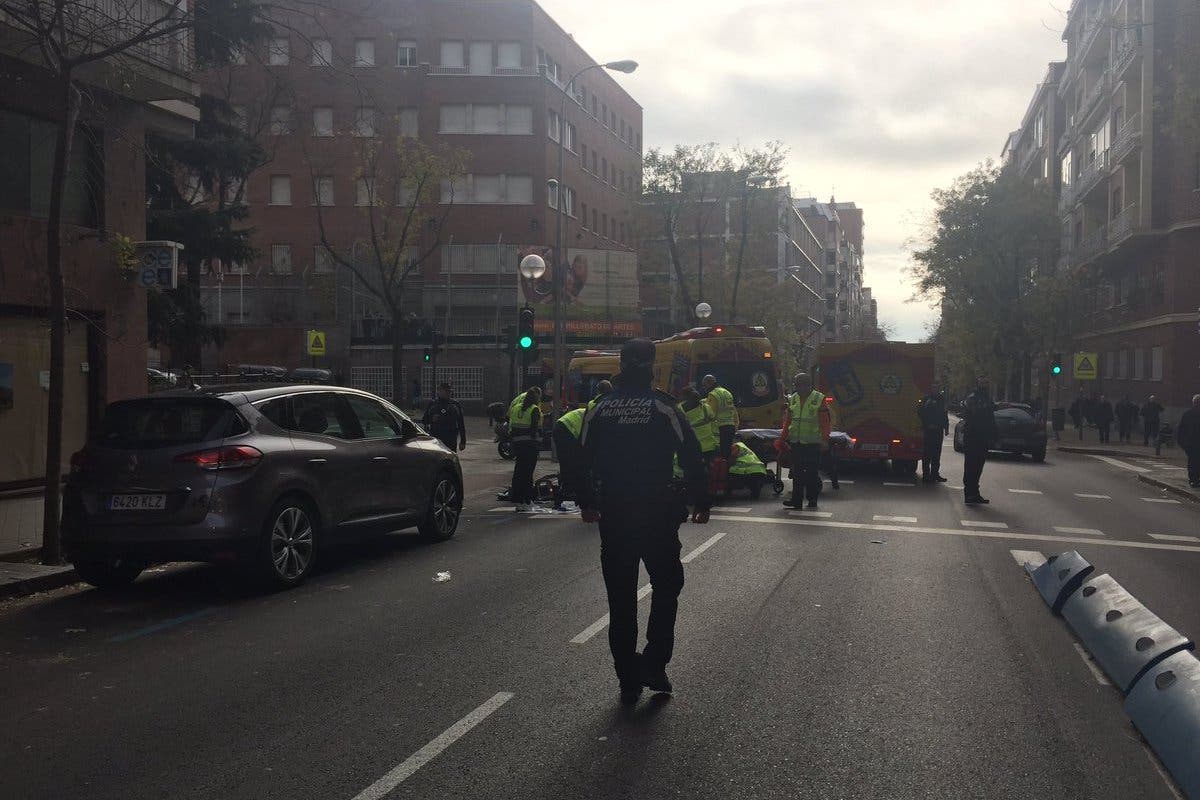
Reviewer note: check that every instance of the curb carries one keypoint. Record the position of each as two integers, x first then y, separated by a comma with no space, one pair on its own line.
1098,451
1179,491
21,587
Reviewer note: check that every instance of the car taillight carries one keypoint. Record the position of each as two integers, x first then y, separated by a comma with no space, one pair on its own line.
896,441
78,461
232,457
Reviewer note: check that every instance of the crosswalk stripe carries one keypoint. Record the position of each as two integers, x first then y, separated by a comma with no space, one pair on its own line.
1166,537
978,523
884,518
1025,491
1094,496
1160,500
818,514
905,485
1084,531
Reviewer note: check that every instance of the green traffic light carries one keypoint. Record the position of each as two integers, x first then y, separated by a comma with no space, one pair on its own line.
526,342
1056,369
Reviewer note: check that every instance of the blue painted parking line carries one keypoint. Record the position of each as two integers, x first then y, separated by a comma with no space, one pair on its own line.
160,626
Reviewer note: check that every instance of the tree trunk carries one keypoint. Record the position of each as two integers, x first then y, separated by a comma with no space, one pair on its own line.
195,348
398,358
685,295
51,539
737,272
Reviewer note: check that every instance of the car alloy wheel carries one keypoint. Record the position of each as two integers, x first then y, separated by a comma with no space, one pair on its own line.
291,543
446,506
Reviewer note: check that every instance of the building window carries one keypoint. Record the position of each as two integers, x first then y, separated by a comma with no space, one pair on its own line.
281,259
583,217
1156,363
621,182
486,119
1139,364
604,170
583,157
281,120
622,237
508,55
595,106
322,53
518,189
604,225
568,201
1108,365
595,163
489,189
235,192
552,126
322,261
518,120
364,52
364,191
406,54
481,58
281,190
27,163
569,136
486,189
322,117
364,121
552,196
323,190
279,53
595,221
604,114
408,121
452,55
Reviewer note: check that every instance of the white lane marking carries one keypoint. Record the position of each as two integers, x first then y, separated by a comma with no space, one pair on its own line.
851,483
1032,558
500,508
905,485
584,636
1094,496
885,518
979,523
1122,464
1162,772
955,488
1160,500
1082,531
745,510
692,556
1032,537
1091,665
818,514
405,769
1181,469
1166,537
1026,491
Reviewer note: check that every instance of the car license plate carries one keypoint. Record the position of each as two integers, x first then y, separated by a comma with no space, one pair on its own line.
137,502
1016,444
882,449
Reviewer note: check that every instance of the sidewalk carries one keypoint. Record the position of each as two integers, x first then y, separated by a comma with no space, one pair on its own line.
21,578
1166,471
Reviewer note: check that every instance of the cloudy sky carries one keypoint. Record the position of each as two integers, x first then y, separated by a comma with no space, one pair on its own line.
880,101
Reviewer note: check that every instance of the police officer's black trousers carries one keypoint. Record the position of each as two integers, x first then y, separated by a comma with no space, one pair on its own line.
931,455
526,455
648,532
726,434
974,457
569,453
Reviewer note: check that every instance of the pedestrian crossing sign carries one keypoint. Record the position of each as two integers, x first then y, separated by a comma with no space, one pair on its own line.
1085,366
316,343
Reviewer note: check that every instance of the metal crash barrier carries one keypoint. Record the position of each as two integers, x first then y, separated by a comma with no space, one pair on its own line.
1165,707
1124,636
1059,577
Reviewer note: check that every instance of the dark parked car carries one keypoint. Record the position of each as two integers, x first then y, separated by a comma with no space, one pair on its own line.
1018,430
266,476
311,375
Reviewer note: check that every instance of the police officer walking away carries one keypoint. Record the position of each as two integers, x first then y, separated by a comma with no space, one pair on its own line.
979,430
808,426
525,425
444,419
630,440
935,425
720,402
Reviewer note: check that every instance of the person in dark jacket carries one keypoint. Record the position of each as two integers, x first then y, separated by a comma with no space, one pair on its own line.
1103,417
935,425
444,419
630,440
1076,412
1127,412
979,432
1151,420
1188,436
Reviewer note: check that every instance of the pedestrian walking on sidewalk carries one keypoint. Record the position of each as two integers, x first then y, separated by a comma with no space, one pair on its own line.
1151,420
1104,419
444,419
935,426
1127,412
979,431
1076,413
630,440
1188,436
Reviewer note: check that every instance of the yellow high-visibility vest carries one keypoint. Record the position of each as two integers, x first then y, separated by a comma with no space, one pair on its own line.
805,426
720,401
702,422
573,421
520,420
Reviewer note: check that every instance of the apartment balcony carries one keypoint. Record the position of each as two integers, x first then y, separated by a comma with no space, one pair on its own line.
1026,159
1098,90
1092,246
1092,175
1128,139
1092,28
1125,225
1066,197
1127,51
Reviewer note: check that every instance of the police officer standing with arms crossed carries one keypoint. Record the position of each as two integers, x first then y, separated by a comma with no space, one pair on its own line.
979,429
935,424
808,426
630,439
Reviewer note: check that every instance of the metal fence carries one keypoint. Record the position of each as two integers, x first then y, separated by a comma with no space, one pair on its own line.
465,382
376,380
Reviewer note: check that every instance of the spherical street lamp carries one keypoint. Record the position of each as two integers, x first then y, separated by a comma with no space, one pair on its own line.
533,267
703,311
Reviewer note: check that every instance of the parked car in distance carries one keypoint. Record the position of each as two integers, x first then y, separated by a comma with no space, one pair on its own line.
266,476
311,375
1018,430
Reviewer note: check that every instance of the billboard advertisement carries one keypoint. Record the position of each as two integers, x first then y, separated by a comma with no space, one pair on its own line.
600,293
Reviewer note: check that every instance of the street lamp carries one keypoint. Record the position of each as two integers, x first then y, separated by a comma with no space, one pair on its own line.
703,311
626,66
533,267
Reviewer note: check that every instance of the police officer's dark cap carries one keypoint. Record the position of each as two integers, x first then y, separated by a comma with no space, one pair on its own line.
638,353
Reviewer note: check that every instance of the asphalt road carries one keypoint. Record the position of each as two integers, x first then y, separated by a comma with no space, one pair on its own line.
892,649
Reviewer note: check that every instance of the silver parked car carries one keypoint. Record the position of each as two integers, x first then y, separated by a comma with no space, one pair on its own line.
264,476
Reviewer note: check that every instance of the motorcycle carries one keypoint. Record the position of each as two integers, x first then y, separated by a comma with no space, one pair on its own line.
503,439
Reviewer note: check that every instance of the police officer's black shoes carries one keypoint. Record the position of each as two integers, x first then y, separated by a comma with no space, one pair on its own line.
656,680
812,505
630,694
790,503
977,500
940,479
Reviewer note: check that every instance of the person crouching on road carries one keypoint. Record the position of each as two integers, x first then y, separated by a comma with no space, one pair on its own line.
525,424
701,418
720,402
808,426
630,440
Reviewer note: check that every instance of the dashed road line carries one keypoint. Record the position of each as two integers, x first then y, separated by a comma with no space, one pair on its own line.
1090,663
692,556
1116,462
904,485
1160,500
1167,537
405,769
980,523
884,518
1026,491
1093,496
1033,558
1081,531
745,510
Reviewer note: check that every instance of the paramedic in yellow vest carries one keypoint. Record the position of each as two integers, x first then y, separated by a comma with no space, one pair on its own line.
720,402
566,444
701,418
807,432
525,425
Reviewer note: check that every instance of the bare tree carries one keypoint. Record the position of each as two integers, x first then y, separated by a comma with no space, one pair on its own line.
755,167
410,190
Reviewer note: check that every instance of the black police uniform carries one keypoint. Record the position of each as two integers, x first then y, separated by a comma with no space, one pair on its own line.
629,440
979,430
935,423
444,418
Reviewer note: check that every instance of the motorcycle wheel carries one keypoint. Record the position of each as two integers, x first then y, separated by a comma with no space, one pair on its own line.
505,450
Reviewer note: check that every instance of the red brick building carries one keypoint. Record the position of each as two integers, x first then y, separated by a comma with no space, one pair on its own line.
486,77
